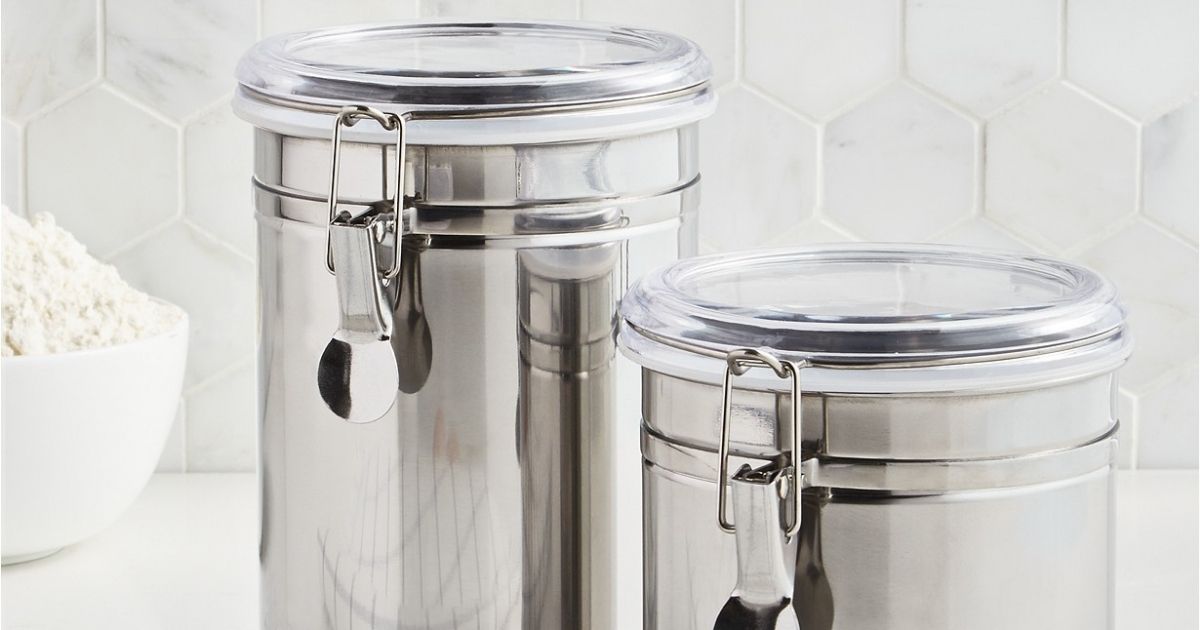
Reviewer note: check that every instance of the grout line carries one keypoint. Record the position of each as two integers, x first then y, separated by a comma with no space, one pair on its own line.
62,100
1168,232
101,39
183,432
144,107
154,230
1163,227
1135,434
832,223
1169,108
21,168
818,207
939,98
1044,85
220,374
980,198
950,227
258,19
195,227
208,108
1036,241
1102,235
902,38
840,229
789,238
786,238
1139,170
775,102
1134,426
1080,90
854,102
181,171
1007,231
1061,62
739,40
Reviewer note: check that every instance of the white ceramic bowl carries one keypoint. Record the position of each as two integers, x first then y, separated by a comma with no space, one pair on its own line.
82,433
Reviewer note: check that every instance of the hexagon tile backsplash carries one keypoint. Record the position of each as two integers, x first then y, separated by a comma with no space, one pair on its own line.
1067,127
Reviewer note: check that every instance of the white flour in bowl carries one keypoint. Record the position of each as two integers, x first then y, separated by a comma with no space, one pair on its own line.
57,298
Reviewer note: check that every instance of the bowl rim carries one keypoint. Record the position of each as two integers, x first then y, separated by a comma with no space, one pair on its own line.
179,327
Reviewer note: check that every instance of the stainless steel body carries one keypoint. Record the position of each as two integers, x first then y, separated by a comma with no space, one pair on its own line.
484,498
987,510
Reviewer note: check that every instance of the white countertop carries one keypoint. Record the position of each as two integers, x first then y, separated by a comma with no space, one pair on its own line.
184,557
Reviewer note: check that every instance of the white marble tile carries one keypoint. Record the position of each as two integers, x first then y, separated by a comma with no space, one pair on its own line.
105,168
222,423
10,165
899,167
759,166
218,162
214,285
1169,166
710,23
817,55
506,9
1139,55
1156,276
1156,549
177,55
1061,168
1168,421
282,16
174,456
982,54
983,233
48,49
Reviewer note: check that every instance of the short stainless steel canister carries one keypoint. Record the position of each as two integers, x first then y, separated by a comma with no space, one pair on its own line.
545,167
956,451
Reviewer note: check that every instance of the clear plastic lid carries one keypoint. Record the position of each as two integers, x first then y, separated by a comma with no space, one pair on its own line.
547,67
914,317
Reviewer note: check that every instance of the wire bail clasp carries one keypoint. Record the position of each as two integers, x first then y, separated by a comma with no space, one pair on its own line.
737,363
348,117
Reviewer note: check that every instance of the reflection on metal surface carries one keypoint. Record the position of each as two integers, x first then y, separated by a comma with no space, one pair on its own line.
567,301
813,594
411,339
899,540
368,579
483,497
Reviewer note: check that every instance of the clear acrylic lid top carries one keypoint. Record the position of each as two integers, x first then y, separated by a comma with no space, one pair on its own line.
483,66
884,307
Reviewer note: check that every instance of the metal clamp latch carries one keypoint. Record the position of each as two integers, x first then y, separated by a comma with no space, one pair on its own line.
766,538
347,117
358,375
738,362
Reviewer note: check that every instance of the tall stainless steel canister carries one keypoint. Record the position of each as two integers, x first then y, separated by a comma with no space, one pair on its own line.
438,380
953,450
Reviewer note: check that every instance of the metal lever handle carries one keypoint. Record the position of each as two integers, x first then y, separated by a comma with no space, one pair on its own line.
738,362
766,556
357,375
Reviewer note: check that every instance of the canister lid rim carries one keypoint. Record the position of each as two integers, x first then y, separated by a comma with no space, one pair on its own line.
855,307
440,66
